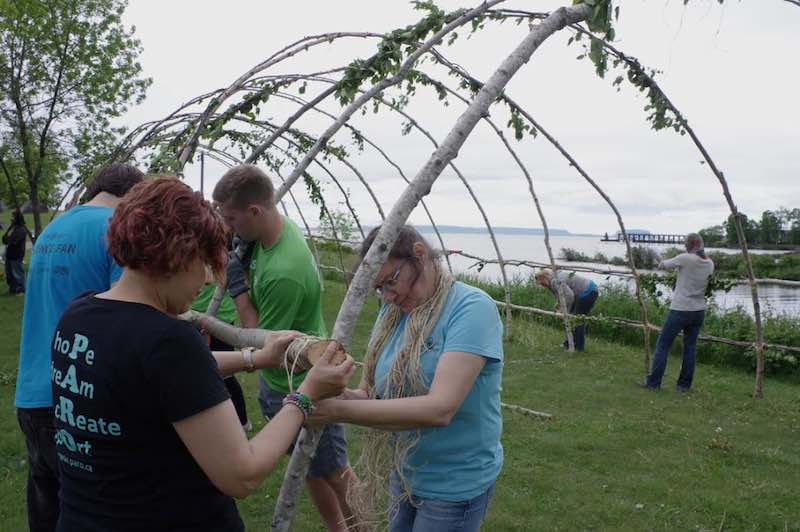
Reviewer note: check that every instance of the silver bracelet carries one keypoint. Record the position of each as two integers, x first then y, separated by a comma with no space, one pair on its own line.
247,355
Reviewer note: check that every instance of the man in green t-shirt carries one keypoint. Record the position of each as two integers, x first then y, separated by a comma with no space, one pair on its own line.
280,290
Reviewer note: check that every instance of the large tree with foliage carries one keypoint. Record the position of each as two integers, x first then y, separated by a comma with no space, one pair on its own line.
67,68
749,227
769,229
790,222
713,235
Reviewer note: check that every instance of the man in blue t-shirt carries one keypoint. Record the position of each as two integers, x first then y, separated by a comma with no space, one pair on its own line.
69,257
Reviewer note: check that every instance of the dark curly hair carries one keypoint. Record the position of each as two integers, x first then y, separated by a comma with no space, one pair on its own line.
162,225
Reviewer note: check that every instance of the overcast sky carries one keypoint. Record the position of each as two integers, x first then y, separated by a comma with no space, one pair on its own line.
732,70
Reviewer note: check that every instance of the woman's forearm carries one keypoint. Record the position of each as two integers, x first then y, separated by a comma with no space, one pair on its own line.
269,445
229,362
393,414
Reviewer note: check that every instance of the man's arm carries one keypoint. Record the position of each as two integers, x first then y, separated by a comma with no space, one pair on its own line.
248,315
670,264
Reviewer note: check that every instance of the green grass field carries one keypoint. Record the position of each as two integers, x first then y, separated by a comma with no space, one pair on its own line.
614,458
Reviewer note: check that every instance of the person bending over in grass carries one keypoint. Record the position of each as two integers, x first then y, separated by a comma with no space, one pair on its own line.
580,295
686,314
146,434
430,392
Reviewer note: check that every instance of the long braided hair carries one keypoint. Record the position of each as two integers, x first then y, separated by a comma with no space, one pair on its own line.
384,453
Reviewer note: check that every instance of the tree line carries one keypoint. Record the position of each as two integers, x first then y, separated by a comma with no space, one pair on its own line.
780,227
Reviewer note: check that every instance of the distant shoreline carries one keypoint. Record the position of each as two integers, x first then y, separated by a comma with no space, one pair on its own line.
500,230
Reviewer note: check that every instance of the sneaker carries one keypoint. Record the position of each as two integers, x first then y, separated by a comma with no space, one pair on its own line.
646,386
682,389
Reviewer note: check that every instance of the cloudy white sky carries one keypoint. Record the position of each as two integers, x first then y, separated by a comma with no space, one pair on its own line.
732,69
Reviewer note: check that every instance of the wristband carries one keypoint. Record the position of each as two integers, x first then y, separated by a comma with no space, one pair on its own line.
301,401
247,355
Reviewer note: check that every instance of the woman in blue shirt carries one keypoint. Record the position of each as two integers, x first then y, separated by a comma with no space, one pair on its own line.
430,391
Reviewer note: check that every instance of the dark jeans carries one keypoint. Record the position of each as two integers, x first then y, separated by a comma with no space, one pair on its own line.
38,426
237,397
15,276
231,383
582,306
690,322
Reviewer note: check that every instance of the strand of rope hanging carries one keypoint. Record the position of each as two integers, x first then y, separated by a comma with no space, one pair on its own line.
596,318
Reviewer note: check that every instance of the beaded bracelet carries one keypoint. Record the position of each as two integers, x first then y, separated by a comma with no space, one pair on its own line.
301,401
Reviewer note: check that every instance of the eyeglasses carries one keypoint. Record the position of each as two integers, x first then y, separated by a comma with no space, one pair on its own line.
390,281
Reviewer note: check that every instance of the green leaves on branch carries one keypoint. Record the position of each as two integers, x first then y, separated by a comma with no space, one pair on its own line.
598,56
599,20
654,284
520,125
392,50
660,113
248,107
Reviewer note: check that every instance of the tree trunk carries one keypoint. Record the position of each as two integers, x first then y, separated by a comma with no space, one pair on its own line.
420,187
37,218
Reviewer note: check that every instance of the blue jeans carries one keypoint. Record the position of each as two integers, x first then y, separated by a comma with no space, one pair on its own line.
582,306
432,515
690,322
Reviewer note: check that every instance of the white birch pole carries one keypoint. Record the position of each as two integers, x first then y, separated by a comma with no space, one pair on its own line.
419,187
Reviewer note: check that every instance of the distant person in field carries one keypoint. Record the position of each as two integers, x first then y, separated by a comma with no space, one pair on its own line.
580,295
686,314
14,238
69,257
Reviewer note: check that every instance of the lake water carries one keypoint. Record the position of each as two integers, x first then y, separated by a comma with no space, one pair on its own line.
531,247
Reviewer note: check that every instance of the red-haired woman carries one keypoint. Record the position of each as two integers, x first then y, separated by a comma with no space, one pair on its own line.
147,436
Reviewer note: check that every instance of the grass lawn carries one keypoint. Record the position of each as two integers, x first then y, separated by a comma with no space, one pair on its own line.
614,458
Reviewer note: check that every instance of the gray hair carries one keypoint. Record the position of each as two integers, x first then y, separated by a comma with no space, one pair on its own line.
694,242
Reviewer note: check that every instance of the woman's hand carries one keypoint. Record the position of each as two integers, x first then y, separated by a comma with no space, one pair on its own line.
274,350
323,413
327,379
357,393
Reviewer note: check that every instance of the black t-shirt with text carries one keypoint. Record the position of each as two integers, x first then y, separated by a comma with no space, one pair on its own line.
122,374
